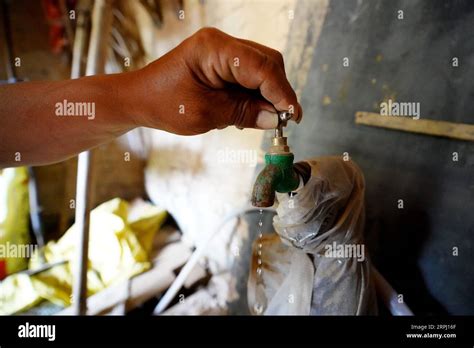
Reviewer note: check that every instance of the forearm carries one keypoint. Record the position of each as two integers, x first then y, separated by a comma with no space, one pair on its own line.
45,122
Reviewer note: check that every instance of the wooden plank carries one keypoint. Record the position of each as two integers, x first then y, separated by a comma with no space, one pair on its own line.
460,131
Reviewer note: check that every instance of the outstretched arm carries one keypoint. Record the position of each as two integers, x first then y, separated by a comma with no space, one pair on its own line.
210,81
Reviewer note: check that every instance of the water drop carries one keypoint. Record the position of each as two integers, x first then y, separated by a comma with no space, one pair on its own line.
258,308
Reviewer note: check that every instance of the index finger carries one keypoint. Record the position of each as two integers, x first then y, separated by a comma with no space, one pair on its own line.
255,69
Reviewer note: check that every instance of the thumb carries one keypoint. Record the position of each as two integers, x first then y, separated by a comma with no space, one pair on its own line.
266,119
255,113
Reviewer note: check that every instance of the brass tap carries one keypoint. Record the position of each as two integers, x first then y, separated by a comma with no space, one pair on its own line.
279,142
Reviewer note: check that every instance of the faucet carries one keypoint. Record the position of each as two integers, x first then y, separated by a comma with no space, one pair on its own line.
278,174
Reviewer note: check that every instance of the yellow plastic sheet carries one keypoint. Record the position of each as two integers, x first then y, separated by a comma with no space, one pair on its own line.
119,248
14,218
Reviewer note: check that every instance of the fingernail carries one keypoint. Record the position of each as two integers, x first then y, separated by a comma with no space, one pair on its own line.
267,120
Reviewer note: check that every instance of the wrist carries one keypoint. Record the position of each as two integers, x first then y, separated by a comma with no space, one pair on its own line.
138,98
124,100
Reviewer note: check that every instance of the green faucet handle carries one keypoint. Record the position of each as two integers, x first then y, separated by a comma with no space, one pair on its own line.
288,180
278,174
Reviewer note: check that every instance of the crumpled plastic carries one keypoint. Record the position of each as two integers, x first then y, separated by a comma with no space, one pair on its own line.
284,285
120,242
14,217
327,212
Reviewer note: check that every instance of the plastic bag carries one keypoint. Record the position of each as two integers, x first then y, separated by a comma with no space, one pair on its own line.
121,238
324,219
14,219
285,283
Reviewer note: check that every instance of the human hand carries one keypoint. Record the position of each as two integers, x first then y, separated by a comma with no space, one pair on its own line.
210,81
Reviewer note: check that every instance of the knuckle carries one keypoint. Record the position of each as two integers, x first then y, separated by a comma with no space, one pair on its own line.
207,33
204,39
278,57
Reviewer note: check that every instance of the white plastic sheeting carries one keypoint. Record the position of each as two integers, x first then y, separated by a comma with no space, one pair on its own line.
321,224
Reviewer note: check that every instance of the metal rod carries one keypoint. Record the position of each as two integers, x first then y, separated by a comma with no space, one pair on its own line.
82,213
101,20
35,211
283,118
82,227
101,24
67,23
82,26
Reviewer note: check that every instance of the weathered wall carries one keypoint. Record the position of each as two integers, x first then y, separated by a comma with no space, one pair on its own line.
406,60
